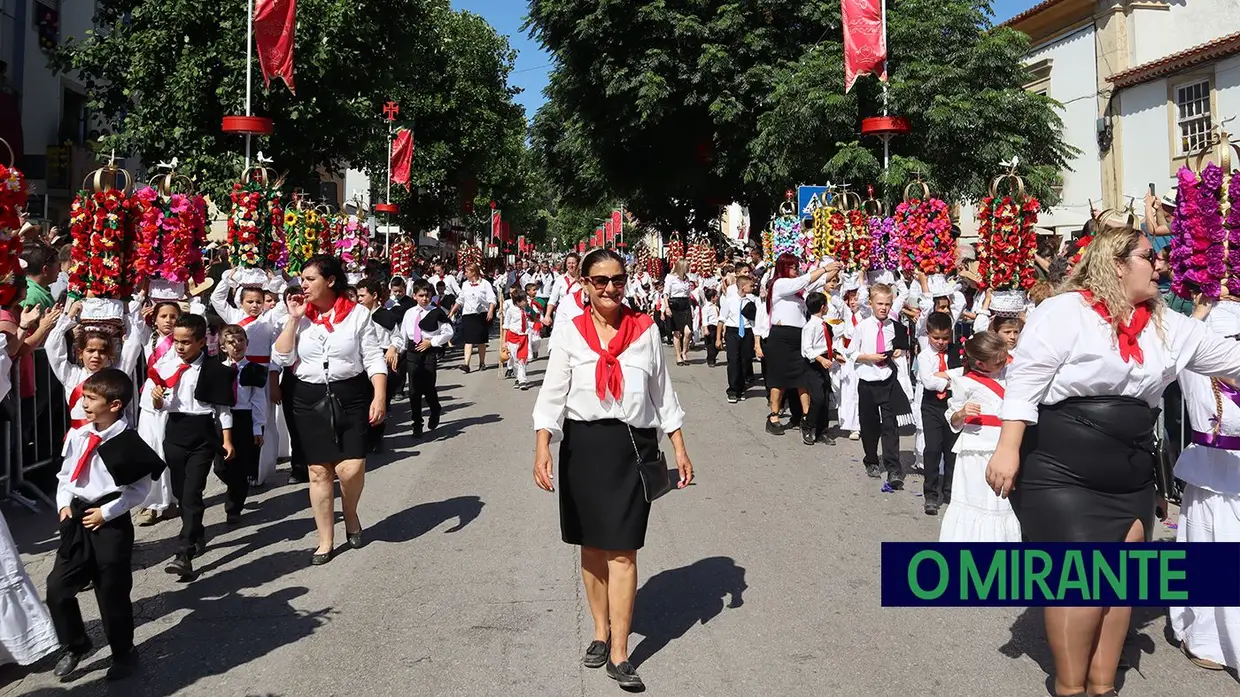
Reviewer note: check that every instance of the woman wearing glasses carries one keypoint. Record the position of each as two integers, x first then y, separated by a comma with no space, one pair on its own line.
1076,453
605,397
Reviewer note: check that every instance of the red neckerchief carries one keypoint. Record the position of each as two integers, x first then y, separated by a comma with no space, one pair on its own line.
1128,333
826,331
172,380
607,374
942,369
164,345
569,285
340,310
250,319
92,442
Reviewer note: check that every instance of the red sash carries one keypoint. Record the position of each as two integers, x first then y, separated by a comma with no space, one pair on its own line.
983,420
74,398
521,340
988,382
261,360
991,384
164,345
249,319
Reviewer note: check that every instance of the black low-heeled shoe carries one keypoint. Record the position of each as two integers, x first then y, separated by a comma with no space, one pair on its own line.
354,539
625,675
596,654
317,559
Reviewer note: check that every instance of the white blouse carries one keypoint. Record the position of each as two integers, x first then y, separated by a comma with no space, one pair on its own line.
676,287
568,390
965,389
350,349
476,297
568,298
1067,350
1212,469
788,307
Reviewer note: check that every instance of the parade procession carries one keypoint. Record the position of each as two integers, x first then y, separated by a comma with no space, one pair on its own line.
901,330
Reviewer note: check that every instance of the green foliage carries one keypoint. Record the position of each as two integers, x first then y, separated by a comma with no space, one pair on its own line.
680,107
170,70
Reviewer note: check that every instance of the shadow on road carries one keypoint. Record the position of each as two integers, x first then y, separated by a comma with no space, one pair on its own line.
414,522
670,603
1029,639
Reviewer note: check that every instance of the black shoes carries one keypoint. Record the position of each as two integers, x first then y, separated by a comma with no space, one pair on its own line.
417,431
931,507
232,519
123,666
354,539
626,676
434,421
873,471
317,559
895,481
775,428
596,655
69,661
180,566
808,437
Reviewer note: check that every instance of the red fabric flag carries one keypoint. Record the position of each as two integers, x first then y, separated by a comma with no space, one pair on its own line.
505,231
497,229
865,40
581,247
521,244
616,224
607,232
275,27
402,158
598,237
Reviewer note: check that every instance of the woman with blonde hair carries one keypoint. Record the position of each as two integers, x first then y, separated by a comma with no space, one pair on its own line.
1076,451
679,309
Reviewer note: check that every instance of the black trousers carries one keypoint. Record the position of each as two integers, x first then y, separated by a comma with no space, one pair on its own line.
422,370
819,381
740,357
297,458
940,439
104,557
711,352
236,473
191,444
878,420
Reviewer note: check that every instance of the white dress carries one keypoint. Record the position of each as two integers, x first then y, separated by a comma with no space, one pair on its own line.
1210,512
976,513
152,423
844,376
26,631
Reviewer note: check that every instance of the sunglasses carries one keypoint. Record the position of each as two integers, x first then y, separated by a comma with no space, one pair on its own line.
600,282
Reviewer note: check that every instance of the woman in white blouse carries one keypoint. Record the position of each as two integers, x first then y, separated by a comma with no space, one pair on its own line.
679,309
1076,453
333,349
785,368
605,397
476,308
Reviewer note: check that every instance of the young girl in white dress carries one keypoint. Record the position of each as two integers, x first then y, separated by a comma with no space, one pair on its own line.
976,513
160,504
26,631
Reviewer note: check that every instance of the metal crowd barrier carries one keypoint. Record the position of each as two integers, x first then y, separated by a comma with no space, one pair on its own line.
33,433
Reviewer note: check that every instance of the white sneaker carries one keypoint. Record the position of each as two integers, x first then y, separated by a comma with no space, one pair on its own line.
855,435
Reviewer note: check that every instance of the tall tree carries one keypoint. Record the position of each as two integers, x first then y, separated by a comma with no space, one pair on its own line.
681,107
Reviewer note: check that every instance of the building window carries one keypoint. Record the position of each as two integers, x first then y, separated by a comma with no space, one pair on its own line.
1192,117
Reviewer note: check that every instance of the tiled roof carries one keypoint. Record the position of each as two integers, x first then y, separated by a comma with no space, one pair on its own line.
1030,12
1210,51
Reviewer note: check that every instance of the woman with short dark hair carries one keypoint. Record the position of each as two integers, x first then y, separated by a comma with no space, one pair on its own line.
332,348
476,308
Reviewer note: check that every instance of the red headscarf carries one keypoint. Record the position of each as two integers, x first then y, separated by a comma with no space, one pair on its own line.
607,374
1127,333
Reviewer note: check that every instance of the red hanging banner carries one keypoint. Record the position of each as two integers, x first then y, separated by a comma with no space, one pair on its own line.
615,223
505,232
608,234
402,158
865,41
581,247
497,228
275,27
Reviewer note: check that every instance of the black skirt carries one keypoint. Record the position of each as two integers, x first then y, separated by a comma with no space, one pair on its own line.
601,500
682,314
473,329
314,432
1087,471
784,368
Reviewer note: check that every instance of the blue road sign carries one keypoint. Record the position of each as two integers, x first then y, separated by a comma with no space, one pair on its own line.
810,198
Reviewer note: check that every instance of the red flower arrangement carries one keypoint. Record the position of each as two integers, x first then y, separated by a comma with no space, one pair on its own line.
675,251
1007,243
13,193
402,257
925,226
99,227
837,231
256,225
859,239
469,254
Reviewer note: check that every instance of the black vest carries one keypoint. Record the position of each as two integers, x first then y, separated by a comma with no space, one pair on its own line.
128,458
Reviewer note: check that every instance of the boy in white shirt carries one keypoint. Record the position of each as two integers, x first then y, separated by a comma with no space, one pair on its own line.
517,337
710,324
817,348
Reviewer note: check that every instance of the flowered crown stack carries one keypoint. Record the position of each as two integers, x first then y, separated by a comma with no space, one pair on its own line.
402,257
1205,243
100,227
256,226
702,258
924,226
13,193
886,245
675,250
787,235
469,254
852,233
169,229
1007,238
353,245
303,232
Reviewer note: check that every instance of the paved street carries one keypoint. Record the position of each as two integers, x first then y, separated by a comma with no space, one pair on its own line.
761,579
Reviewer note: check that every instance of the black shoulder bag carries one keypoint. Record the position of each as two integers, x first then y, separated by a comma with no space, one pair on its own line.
653,473
329,407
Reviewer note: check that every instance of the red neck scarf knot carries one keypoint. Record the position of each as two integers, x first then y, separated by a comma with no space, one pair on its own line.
1127,334
608,376
339,311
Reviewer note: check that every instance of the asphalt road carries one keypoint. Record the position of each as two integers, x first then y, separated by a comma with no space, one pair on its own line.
761,579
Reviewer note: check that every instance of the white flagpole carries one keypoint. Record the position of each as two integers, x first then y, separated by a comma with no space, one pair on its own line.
886,53
387,235
249,57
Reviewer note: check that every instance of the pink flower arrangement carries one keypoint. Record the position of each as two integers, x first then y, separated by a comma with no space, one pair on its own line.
353,246
168,235
1198,259
925,230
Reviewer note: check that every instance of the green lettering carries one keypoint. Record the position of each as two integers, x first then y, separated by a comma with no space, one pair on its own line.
1102,567
944,574
971,578
1015,577
1166,575
1143,558
1037,576
1073,576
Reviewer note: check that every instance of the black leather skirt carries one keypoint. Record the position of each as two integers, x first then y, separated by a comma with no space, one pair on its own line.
1087,471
